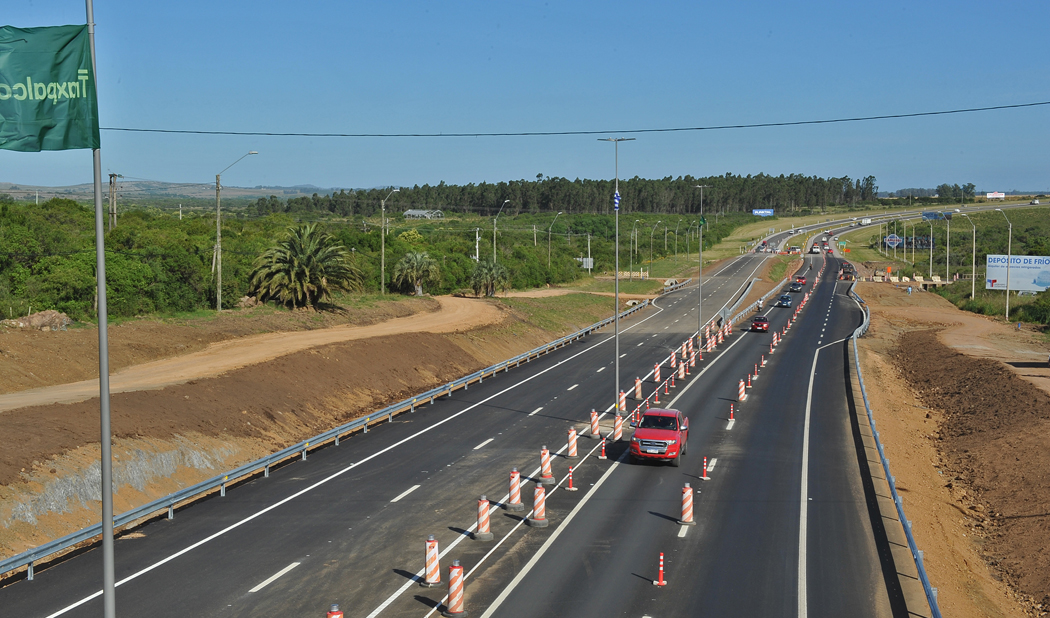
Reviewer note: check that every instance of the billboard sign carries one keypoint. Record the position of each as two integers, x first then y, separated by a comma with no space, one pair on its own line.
995,195
893,241
1029,273
762,212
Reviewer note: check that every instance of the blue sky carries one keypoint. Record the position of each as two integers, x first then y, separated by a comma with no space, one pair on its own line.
396,67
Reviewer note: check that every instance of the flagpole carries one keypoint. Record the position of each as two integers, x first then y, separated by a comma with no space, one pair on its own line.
109,597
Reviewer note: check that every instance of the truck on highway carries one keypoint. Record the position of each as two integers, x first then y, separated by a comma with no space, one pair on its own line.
815,248
661,435
865,221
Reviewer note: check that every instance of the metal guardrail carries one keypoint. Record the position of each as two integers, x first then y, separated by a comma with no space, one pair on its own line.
300,449
677,286
916,553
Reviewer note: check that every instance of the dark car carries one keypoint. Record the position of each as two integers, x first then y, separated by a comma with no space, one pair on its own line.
795,287
759,322
784,301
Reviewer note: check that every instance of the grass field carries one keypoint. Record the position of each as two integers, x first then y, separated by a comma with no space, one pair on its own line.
562,313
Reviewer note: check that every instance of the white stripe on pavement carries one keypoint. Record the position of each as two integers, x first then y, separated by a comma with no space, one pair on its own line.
276,575
480,446
407,491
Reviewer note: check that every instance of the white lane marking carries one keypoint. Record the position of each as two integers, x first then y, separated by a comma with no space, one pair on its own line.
535,411
572,387
711,464
729,427
681,531
600,369
550,541
415,487
622,355
482,445
638,346
275,576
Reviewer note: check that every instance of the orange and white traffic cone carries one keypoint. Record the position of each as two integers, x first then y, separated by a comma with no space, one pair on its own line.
763,360
454,605
666,390
602,455
432,572
514,502
660,581
731,412
334,611
594,424
546,476
539,510
572,454
637,389
623,401
741,393
570,487
687,507
690,343
681,371
656,373
672,379
770,347
656,394
707,331
692,358
721,339
756,371
617,427
482,532
673,360
749,380
710,345
705,477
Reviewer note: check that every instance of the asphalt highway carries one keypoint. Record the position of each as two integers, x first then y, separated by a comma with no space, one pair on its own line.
348,525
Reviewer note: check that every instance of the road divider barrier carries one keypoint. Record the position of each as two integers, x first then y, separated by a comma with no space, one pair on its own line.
432,572
656,373
454,605
687,507
741,393
705,477
572,453
514,501
594,424
569,487
731,412
673,360
539,511
546,476
681,371
482,532
749,380
660,581
602,454
617,427
622,405
638,389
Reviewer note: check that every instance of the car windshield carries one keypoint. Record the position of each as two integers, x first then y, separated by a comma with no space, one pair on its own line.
761,319
785,297
653,421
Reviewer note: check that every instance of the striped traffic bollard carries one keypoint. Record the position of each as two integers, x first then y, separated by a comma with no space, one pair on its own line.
572,454
594,424
729,326
432,573
454,605
690,343
685,353
482,533
770,347
656,395
710,345
539,510
741,394
660,581
687,507
749,380
656,373
617,427
667,390
763,360
623,401
756,371
672,379
673,361
602,454
707,331
721,339
334,611
514,502
570,487
692,358
638,389
705,477
681,370
731,417
546,476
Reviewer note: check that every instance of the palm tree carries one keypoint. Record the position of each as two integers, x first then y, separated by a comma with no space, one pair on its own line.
487,277
304,269
415,269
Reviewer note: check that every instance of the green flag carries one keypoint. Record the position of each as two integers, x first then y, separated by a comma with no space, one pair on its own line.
47,89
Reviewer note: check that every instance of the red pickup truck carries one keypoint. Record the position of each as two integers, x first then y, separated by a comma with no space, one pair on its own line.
661,435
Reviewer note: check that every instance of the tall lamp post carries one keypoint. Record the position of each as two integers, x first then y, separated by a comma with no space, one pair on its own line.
505,202
948,247
218,231
973,264
699,278
382,241
702,187
931,249
651,248
616,309
1009,248
549,239
634,245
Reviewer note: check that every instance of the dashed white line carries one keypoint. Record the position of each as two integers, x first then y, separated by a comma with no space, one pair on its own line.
415,487
600,369
572,387
637,346
729,427
711,464
536,410
482,445
681,531
276,575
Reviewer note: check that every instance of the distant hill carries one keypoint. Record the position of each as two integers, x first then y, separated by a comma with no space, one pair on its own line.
136,190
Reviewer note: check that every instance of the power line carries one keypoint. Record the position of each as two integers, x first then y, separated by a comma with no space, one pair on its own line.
758,125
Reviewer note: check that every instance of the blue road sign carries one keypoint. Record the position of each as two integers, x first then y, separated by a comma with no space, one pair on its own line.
893,241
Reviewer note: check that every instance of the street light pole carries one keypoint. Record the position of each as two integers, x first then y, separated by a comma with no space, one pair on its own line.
218,232
634,244
382,241
616,309
549,240
973,265
651,248
702,187
1009,248
931,249
948,248
676,242
505,202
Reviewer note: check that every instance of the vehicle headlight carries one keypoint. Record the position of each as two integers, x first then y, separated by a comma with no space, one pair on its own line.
633,439
670,442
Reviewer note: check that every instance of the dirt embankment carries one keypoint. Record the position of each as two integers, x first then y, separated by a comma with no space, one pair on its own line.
966,427
172,437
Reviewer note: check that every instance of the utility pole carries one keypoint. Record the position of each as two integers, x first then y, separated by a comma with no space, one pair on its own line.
589,253
382,241
533,234
180,212
616,294
112,202
218,232
477,244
